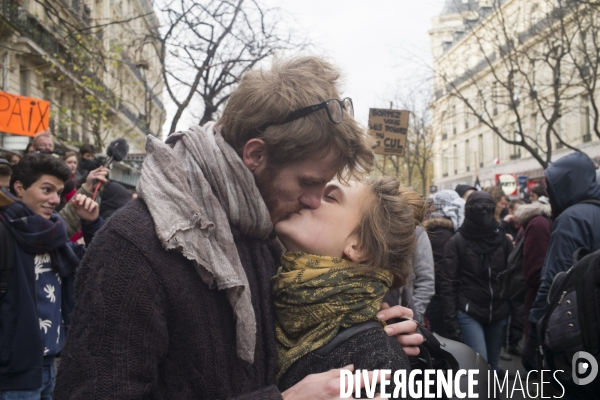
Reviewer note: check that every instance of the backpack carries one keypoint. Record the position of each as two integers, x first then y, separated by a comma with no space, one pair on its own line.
512,280
7,258
571,322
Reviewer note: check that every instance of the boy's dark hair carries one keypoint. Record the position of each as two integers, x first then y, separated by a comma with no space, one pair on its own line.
87,148
34,165
539,190
513,203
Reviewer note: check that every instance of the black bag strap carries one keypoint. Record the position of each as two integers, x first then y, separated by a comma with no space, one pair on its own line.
7,258
591,201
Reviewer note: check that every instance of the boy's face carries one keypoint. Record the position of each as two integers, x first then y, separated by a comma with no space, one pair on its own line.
326,230
42,196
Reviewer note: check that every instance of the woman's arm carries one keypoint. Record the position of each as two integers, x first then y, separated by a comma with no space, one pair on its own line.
449,288
424,283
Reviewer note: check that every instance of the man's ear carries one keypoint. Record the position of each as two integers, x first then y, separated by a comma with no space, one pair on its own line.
354,250
19,188
254,155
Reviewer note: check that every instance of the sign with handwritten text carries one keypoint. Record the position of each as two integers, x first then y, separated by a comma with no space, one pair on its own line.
388,129
22,115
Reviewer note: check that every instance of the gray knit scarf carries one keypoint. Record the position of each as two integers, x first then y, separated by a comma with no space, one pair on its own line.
195,185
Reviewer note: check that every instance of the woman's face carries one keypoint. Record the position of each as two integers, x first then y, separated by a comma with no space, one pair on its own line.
42,196
72,163
327,230
501,205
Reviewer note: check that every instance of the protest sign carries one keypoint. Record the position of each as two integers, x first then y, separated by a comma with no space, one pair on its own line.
22,115
388,129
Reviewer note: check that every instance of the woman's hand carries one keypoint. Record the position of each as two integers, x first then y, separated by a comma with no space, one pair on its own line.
405,331
85,208
323,386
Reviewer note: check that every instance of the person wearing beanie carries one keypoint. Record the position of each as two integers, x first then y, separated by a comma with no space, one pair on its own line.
464,191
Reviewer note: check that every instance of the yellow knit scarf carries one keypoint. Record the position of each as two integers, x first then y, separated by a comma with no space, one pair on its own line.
315,297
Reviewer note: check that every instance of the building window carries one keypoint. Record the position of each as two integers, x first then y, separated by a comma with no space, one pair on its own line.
4,72
480,154
24,81
585,119
466,118
495,98
454,120
468,155
444,124
455,159
534,16
445,164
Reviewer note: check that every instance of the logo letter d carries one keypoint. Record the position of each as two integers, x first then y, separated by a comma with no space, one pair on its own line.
591,362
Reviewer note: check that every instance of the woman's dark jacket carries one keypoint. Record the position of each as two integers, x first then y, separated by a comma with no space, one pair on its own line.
369,350
440,231
535,221
21,340
472,285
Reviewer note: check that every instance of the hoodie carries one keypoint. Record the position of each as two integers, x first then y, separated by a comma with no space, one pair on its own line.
570,180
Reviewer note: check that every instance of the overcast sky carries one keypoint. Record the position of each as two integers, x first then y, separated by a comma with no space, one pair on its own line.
379,44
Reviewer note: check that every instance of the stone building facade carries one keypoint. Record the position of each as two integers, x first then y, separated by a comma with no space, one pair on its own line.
96,61
466,55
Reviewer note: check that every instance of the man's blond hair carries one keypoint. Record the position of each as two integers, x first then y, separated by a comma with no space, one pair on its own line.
270,95
37,137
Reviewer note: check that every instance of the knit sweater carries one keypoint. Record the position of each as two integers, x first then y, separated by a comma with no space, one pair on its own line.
147,326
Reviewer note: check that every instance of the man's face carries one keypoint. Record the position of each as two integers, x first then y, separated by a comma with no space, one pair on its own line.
44,143
295,186
42,196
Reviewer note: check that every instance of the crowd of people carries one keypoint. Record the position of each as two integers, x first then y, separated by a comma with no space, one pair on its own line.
259,260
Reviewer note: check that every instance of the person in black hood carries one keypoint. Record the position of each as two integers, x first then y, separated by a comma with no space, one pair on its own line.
474,312
114,196
570,182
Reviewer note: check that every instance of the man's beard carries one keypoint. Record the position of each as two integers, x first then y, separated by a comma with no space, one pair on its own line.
277,210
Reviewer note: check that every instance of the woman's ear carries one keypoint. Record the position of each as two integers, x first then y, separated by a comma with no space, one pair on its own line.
354,250
18,186
254,155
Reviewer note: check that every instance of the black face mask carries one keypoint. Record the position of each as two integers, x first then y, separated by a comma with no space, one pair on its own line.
88,165
481,218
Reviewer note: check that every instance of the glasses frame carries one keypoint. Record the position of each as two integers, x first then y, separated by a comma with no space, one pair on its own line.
305,111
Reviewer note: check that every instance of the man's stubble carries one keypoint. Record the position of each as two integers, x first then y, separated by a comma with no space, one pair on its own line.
266,181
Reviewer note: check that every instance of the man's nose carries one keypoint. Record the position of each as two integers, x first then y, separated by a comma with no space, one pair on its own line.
312,199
